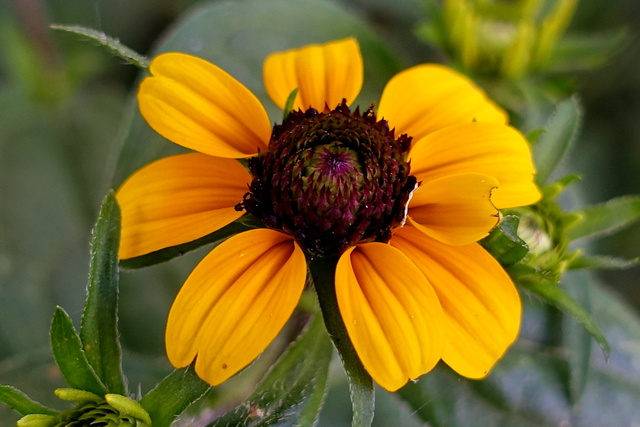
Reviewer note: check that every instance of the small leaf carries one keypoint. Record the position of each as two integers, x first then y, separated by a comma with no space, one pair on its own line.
534,135
109,43
166,254
605,218
360,382
503,242
21,403
576,52
128,407
99,326
75,395
292,392
576,338
288,105
434,30
536,283
173,395
553,190
602,262
561,129
70,357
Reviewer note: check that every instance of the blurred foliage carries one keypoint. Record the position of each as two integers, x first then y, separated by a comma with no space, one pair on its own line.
62,105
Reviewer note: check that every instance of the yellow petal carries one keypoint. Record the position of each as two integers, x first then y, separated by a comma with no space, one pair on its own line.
391,313
455,209
323,73
486,148
234,303
177,200
199,106
428,97
481,304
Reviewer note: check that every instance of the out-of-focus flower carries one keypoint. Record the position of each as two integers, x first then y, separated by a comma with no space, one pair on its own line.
497,37
401,195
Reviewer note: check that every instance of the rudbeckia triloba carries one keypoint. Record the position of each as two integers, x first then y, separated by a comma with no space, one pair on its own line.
400,193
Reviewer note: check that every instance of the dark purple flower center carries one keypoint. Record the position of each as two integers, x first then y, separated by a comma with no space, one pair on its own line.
331,180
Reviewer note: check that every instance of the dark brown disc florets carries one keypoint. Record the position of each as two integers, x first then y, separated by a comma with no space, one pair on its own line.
331,179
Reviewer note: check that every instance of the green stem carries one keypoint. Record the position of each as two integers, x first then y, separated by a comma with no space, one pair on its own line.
360,382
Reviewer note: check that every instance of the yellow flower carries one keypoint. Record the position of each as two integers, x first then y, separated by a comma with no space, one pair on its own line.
401,196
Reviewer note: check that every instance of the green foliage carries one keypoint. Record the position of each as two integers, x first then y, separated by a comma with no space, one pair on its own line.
173,395
504,243
21,403
553,145
605,218
288,105
535,282
99,328
109,43
601,262
70,356
576,52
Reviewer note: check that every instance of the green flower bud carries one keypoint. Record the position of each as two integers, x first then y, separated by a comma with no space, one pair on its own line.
75,395
128,406
536,237
37,420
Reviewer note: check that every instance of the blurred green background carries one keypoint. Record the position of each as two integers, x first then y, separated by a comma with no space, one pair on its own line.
64,104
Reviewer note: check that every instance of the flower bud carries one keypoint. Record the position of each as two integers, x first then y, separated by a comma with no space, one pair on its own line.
501,38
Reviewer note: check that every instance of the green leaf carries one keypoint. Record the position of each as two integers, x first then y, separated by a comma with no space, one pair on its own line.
604,262
166,254
576,338
536,283
21,403
552,146
99,326
173,395
503,242
576,52
605,218
360,382
292,392
527,387
288,105
109,43
70,357
434,30
553,190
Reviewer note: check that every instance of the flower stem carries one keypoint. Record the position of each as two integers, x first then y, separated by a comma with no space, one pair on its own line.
360,383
